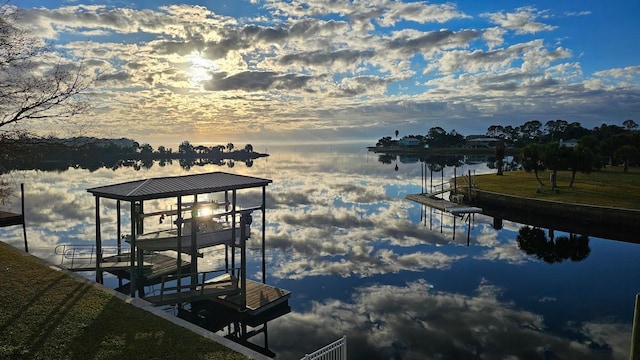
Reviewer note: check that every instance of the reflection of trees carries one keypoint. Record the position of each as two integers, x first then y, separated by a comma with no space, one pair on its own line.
435,163
443,161
533,241
386,158
58,157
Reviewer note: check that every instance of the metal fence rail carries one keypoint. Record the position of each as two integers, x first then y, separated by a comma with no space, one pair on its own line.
337,350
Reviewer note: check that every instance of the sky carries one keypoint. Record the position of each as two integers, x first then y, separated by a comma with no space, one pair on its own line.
270,71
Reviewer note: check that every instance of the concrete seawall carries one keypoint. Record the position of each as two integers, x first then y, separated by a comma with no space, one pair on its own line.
602,221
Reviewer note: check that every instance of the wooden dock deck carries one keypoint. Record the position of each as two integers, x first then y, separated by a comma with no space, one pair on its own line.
10,219
260,297
226,291
155,266
221,287
442,204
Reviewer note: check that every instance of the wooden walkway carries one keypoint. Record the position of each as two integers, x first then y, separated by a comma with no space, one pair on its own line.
441,204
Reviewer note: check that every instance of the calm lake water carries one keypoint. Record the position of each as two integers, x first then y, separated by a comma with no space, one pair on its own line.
361,260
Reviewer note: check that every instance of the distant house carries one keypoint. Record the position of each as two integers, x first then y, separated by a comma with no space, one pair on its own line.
409,142
571,143
482,142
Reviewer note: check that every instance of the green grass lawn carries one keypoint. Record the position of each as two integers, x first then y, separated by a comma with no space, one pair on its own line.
48,314
608,187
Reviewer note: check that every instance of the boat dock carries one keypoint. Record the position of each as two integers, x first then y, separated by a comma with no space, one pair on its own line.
181,281
442,204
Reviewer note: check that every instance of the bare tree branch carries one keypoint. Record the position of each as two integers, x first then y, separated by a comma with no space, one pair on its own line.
32,88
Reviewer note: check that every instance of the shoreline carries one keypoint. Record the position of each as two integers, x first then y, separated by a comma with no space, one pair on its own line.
401,150
600,221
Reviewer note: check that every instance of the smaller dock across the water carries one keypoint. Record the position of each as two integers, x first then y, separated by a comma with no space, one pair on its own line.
442,204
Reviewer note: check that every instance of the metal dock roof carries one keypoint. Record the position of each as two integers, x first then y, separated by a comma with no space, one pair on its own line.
164,187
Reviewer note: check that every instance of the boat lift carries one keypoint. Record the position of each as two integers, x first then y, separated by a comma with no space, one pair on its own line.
179,187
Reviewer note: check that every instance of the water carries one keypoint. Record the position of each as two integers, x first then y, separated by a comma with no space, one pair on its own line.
362,260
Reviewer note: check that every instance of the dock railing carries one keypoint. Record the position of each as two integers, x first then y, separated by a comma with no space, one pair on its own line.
73,255
202,284
337,350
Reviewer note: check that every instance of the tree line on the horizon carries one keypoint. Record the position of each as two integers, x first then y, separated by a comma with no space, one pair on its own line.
532,131
616,144
53,154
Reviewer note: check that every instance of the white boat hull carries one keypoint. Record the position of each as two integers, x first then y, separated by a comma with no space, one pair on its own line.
168,239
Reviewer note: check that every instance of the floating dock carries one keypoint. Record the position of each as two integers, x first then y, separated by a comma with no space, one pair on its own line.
442,204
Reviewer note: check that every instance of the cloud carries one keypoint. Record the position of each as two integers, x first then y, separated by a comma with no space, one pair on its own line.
425,43
577,13
627,73
522,21
385,13
325,70
493,36
341,58
418,12
255,80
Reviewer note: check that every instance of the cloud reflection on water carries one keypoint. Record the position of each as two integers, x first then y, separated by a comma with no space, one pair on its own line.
336,222
417,321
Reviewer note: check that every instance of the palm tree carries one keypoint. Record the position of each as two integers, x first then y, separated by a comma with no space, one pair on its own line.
583,160
532,160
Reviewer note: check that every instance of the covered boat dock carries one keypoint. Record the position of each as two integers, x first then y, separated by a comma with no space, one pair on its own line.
189,193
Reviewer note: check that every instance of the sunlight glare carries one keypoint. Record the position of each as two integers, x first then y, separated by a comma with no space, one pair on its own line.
201,68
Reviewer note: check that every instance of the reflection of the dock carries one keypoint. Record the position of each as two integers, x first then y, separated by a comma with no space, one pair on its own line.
239,327
466,218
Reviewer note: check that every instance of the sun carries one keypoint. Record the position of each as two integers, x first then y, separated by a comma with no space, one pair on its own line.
200,69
